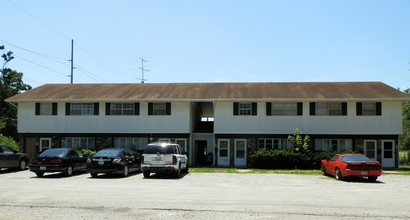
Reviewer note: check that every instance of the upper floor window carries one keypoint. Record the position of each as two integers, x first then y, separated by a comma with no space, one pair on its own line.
284,108
46,108
122,108
245,108
159,108
82,108
368,108
328,108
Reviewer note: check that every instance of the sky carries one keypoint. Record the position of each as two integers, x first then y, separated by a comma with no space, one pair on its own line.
208,41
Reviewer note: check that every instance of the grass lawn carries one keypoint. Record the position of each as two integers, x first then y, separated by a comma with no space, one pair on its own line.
403,170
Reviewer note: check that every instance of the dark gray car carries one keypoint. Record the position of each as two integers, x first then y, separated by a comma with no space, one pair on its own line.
10,158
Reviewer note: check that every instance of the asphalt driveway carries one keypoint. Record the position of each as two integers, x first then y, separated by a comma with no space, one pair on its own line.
201,196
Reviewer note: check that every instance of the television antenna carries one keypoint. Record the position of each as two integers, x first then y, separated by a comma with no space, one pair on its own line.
142,70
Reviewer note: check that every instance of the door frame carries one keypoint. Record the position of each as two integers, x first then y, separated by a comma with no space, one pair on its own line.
240,161
43,142
224,161
388,162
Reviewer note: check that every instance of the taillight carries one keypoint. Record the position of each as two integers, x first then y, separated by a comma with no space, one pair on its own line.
33,161
174,159
57,161
117,161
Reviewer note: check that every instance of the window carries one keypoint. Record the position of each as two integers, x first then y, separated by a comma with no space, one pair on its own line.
284,108
131,143
245,108
273,143
78,142
333,145
46,109
159,108
368,108
122,108
82,108
328,108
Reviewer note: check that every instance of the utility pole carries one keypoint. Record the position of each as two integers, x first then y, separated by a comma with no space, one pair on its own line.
142,70
72,61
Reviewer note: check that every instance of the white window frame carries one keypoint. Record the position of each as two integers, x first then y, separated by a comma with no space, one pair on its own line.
122,108
328,108
245,108
269,144
82,108
284,108
131,143
337,145
78,142
369,108
159,108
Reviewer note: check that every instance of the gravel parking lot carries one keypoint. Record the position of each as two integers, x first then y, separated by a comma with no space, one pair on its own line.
201,196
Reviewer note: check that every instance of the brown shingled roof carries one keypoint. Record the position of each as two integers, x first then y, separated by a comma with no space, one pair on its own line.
213,91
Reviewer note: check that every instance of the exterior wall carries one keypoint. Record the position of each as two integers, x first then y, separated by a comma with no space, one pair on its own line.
389,123
177,122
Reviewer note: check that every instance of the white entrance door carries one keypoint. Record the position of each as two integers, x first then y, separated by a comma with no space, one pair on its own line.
388,153
240,152
370,149
45,143
223,152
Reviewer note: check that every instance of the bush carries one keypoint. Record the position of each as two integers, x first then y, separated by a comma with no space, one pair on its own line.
287,159
88,152
9,142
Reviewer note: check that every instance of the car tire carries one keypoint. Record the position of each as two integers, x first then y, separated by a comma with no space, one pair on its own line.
178,172
94,175
186,170
372,178
69,171
323,169
146,174
40,174
126,171
22,165
338,174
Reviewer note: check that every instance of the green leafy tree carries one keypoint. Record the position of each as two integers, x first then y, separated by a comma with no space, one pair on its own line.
11,83
9,142
300,142
405,137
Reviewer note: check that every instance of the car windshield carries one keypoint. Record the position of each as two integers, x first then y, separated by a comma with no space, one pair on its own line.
355,158
154,149
54,153
108,153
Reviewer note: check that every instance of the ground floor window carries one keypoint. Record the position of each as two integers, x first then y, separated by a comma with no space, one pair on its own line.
132,143
333,145
182,143
273,143
78,142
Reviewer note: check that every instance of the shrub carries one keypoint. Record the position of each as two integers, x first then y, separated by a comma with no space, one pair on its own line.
88,152
9,142
287,159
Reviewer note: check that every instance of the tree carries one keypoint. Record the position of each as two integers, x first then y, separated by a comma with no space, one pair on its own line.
300,142
405,137
11,83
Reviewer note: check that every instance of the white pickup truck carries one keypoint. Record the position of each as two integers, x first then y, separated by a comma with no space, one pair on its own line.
164,158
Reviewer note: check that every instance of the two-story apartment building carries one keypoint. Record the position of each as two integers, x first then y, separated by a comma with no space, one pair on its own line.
216,123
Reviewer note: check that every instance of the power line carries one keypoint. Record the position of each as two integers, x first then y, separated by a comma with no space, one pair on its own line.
27,60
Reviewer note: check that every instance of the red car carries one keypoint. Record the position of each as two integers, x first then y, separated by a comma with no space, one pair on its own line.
351,165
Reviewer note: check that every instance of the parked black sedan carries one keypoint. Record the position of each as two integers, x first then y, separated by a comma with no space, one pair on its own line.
63,160
113,161
10,158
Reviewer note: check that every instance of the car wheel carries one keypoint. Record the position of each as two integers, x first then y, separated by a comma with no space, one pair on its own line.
94,174
22,165
338,174
178,172
372,178
126,171
146,174
40,174
186,170
323,169
69,171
